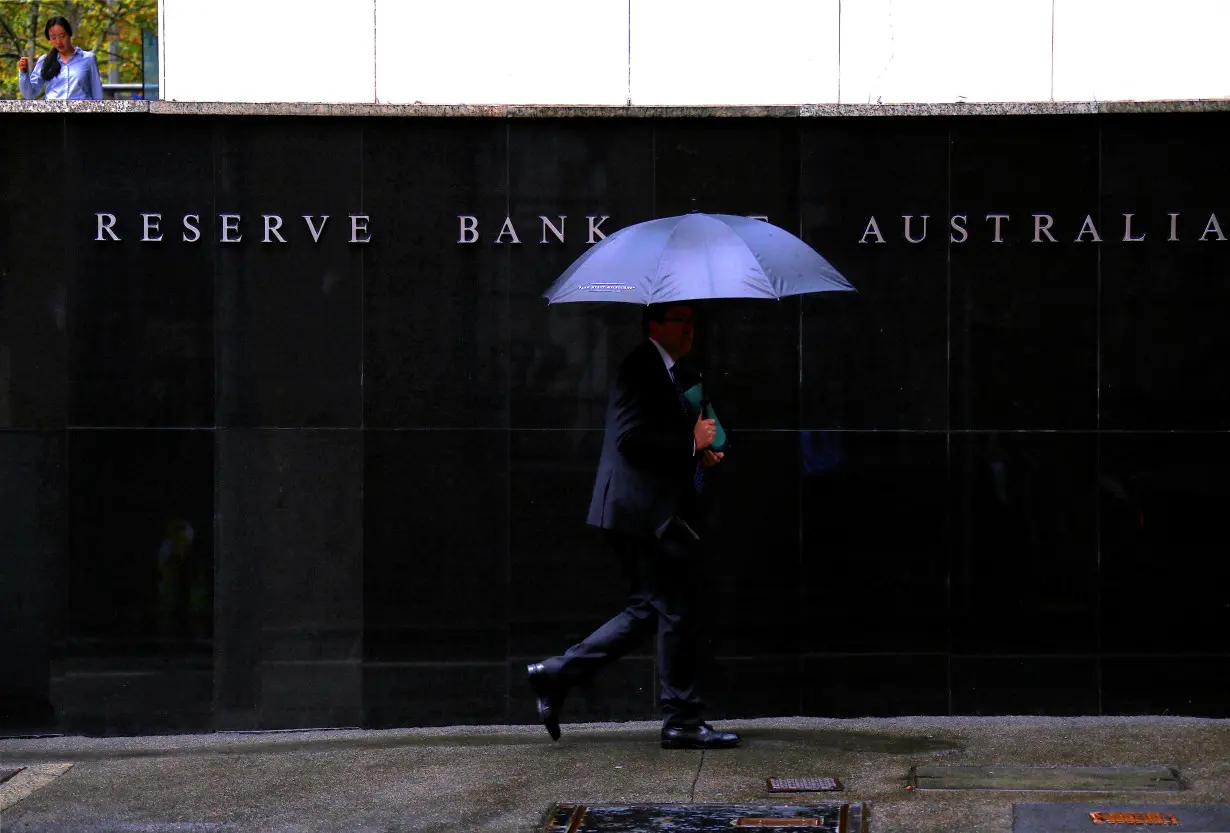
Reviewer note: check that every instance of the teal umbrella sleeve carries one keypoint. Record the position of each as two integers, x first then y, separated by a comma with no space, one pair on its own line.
694,395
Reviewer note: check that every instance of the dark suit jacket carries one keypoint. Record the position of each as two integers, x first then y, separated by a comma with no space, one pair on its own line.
645,473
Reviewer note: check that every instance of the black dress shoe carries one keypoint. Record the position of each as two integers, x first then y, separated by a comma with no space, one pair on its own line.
703,736
550,697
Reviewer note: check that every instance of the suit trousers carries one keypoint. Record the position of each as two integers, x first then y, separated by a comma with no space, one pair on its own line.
662,600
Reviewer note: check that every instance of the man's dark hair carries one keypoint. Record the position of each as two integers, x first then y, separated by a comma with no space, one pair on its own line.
657,312
654,312
51,61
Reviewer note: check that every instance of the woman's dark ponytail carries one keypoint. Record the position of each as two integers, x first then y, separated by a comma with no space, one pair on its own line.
51,61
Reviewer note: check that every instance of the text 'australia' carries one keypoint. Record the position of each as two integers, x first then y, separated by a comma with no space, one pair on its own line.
1042,228
232,228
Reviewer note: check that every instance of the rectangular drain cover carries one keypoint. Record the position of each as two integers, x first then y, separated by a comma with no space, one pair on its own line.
1091,818
802,785
6,774
830,817
1062,778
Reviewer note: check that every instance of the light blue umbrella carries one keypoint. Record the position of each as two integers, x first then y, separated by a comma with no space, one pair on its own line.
693,257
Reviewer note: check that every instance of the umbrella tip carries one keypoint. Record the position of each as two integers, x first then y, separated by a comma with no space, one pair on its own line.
693,205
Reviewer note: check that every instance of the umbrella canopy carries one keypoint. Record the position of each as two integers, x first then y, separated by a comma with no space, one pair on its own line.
696,256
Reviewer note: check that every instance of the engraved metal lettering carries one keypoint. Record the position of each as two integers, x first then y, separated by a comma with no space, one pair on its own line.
1088,228
1041,228
105,224
908,218
997,218
229,227
547,224
507,228
272,228
1127,230
307,218
149,227
964,231
594,227
189,227
872,228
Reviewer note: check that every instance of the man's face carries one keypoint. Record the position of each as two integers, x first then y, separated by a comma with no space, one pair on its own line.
674,332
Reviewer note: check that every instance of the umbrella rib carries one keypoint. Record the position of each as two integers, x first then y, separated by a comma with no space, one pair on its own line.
728,229
756,256
709,273
665,246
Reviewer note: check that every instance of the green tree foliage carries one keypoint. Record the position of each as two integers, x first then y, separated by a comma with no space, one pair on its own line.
95,24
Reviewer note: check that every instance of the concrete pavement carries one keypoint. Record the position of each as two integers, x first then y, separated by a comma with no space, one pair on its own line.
503,778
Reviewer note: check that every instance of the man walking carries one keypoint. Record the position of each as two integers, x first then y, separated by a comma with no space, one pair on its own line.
645,497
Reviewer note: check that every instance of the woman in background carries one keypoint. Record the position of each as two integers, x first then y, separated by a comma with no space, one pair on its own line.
66,71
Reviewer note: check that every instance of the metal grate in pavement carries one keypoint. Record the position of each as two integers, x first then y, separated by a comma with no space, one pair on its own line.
828,817
802,785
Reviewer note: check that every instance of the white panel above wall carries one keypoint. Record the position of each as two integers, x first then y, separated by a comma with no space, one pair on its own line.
528,52
906,51
734,52
267,50
1113,50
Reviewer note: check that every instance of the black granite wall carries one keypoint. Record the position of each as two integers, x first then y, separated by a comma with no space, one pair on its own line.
326,483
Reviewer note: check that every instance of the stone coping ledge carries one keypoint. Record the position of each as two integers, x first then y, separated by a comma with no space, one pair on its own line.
1007,108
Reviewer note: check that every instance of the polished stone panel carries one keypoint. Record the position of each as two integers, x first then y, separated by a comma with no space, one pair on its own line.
876,358
141,535
33,554
435,546
138,696
435,310
564,578
876,540
289,615
1163,336
573,173
752,601
739,687
141,314
1161,500
397,694
748,354
36,270
1025,561
1024,314
33,333
290,317
1174,685
1025,685
728,167
319,693
139,590
874,685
